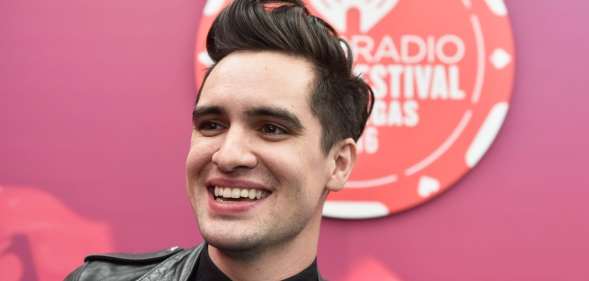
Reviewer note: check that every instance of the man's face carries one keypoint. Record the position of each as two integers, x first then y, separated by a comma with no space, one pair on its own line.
255,137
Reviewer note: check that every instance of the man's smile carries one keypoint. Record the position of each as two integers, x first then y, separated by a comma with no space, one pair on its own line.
228,196
237,194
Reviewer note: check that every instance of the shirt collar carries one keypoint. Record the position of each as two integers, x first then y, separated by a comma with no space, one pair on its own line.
206,270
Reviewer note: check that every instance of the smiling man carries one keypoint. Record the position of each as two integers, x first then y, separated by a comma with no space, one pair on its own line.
275,128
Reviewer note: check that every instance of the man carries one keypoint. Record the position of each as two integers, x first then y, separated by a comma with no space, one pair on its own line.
275,125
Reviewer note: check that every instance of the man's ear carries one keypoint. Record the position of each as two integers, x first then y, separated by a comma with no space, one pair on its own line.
343,157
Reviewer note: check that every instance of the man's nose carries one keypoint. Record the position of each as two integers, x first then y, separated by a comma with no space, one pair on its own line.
235,151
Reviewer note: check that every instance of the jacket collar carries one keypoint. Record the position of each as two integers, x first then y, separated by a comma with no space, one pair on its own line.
179,266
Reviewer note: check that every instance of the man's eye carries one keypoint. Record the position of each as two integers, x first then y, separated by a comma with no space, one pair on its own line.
271,129
210,127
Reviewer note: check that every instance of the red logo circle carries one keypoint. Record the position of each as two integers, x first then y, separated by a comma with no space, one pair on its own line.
442,74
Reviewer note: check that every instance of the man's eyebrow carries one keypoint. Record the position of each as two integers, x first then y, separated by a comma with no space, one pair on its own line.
282,114
201,111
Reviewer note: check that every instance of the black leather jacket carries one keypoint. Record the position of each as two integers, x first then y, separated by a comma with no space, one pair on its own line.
174,264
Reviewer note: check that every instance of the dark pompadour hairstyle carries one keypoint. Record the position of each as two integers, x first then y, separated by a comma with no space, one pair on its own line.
341,100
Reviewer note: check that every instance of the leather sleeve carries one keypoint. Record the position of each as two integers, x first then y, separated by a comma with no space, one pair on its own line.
121,266
75,275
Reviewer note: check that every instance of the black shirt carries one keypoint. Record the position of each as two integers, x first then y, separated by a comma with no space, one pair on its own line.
206,270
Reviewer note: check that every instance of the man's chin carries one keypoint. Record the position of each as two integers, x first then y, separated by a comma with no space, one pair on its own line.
228,235
232,244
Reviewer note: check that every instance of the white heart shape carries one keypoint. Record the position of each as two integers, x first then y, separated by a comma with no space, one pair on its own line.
427,186
204,58
500,58
212,7
497,7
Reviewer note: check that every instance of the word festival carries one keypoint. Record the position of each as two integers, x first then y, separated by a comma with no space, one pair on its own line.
404,73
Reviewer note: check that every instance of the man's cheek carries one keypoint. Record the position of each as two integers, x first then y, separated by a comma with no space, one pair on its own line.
199,155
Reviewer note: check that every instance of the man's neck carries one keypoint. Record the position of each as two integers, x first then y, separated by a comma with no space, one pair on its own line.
274,263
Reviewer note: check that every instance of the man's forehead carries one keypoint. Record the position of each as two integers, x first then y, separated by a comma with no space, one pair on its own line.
263,78
269,66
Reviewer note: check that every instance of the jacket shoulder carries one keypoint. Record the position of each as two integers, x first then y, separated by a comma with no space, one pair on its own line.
119,266
128,258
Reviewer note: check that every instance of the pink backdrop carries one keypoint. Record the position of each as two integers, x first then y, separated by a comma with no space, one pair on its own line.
95,104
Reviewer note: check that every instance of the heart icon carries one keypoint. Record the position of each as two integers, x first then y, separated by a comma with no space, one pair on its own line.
497,7
213,6
500,58
427,186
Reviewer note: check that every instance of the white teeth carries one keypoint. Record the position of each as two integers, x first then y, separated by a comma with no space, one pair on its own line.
236,193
